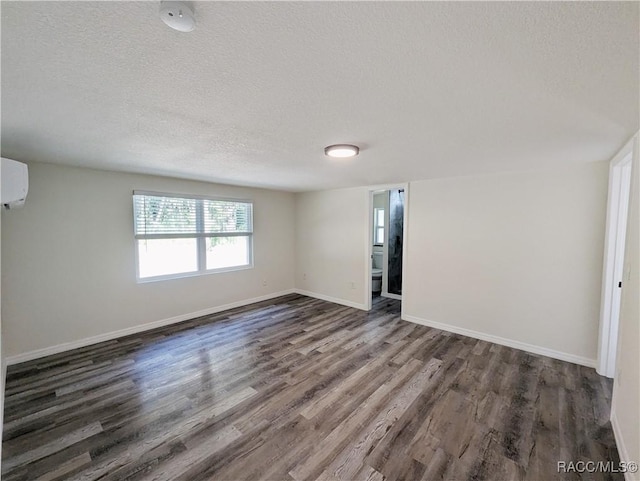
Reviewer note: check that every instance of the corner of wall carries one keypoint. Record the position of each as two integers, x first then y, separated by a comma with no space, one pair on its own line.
52,297
625,416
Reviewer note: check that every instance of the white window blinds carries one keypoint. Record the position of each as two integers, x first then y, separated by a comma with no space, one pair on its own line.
160,215
163,215
221,216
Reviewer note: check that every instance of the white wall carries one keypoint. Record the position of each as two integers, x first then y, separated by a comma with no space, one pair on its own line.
625,406
515,256
332,232
68,270
3,364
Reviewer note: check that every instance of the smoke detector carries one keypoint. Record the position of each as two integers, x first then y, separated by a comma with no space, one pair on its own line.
178,15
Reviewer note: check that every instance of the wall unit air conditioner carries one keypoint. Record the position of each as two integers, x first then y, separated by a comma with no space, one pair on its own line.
15,183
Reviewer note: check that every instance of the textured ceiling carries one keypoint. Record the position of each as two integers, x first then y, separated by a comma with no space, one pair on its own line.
254,94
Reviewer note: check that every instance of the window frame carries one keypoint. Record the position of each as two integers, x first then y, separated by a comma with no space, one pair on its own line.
201,236
376,226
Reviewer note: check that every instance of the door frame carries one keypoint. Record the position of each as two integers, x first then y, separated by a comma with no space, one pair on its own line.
369,237
612,273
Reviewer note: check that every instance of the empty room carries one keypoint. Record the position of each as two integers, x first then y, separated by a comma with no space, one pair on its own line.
336,241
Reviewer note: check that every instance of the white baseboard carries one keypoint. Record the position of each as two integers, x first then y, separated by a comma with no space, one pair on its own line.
47,351
523,346
335,300
109,336
622,448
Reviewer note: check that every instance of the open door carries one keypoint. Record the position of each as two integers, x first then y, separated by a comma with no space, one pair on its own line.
617,216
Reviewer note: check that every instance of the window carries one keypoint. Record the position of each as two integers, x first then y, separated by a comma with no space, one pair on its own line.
180,236
378,226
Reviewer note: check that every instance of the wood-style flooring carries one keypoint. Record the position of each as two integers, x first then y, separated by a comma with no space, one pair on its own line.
300,389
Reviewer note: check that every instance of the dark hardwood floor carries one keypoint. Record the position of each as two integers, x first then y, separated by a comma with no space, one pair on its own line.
301,389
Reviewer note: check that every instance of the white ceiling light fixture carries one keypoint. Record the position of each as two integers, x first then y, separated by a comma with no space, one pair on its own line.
342,151
178,15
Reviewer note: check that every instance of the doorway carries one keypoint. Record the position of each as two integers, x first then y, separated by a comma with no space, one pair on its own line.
612,279
386,243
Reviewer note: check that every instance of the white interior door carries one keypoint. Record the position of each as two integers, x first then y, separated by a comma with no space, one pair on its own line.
617,214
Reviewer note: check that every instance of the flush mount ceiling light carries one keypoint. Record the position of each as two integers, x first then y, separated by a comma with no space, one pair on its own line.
341,150
178,15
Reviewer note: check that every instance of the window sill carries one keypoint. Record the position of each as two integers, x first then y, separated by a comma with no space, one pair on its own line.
169,277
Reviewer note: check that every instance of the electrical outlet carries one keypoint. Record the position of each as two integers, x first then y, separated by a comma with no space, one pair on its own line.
264,283
353,285
304,276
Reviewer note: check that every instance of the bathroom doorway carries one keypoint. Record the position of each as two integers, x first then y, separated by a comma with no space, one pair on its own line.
387,218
